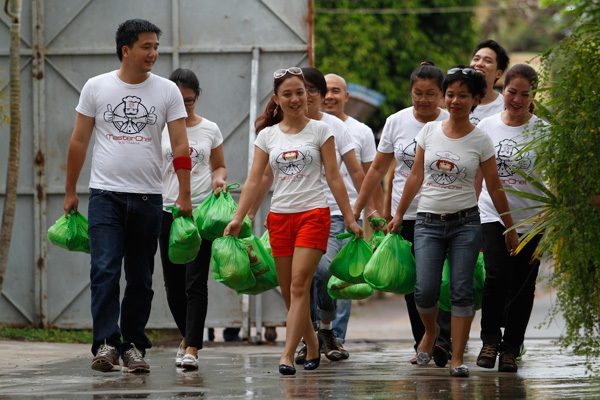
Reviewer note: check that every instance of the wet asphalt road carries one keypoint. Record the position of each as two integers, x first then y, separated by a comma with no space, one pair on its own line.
375,370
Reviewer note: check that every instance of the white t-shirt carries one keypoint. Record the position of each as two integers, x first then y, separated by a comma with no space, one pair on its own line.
343,144
129,121
202,138
487,110
398,137
450,166
364,140
296,163
508,141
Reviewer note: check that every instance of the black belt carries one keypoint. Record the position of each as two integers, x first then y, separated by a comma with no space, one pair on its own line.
450,217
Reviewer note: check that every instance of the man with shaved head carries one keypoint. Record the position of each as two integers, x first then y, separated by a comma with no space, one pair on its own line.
362,136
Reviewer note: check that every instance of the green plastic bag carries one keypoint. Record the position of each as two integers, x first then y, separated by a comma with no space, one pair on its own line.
261,265
338,289
478,282
215,213
70,233
266,243
392,267
184,239
378,235
349,264
230,263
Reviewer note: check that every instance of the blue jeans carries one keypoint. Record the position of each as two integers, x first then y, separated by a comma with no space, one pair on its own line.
323,307
322,302
443,319
460,241
122,226
340,323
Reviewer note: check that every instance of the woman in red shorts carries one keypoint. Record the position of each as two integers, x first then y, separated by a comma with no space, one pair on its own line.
296,148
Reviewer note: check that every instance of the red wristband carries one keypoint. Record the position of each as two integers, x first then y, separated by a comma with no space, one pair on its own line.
182,162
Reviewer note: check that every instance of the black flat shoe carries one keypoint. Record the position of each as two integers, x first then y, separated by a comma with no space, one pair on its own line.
287,369
312,364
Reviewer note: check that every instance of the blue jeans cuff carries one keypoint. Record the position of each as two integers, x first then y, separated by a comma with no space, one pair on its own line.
462,311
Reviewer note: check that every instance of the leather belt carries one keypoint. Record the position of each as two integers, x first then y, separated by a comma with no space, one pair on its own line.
450,217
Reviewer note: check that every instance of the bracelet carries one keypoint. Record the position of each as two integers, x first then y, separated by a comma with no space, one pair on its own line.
182,162
370,215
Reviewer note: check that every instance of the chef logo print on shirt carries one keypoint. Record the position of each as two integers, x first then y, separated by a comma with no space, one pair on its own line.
292,162
407,154
196,155
444,170
130,116
508,158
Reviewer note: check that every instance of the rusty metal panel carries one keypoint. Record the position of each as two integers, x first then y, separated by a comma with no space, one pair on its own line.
64,43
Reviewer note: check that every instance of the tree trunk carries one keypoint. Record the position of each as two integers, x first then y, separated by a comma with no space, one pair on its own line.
13,9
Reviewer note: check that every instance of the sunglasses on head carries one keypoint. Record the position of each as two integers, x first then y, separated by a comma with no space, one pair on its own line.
465,71
280,73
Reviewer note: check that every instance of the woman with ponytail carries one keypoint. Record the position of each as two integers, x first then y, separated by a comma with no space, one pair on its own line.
295,148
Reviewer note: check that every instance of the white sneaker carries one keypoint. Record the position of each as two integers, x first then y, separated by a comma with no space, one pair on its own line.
179,356
189,362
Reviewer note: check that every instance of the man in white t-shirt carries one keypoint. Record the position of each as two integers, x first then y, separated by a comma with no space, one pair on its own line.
490,59
364,141
125,110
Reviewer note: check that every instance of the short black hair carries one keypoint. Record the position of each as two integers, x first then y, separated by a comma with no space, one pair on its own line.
501,55
129,32
186,79
315,77
427,71
475,81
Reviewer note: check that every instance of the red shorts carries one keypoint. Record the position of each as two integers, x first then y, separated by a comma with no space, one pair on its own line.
302,229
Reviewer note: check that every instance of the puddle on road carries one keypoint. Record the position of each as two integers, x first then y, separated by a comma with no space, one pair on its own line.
374,371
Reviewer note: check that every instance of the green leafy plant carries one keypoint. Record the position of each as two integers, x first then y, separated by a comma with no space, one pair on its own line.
568,152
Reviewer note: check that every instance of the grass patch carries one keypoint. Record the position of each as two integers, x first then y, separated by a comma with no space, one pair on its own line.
45,334
158,337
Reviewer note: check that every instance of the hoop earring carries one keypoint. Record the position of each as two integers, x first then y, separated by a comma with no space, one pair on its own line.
275,110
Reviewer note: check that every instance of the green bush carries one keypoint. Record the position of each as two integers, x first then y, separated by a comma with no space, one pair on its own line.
569,155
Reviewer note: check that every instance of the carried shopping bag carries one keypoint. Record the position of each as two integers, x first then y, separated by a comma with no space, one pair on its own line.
230,263
478,282
378,235
214,214
349,264
184,239
392,267
338,289
261,265
70,232
266,242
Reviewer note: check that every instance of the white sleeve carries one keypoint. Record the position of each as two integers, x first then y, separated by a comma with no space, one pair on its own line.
368,148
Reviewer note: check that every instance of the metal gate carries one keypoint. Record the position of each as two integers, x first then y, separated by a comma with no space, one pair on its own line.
232,45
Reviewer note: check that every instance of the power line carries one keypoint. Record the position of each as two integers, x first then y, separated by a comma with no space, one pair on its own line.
406,11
